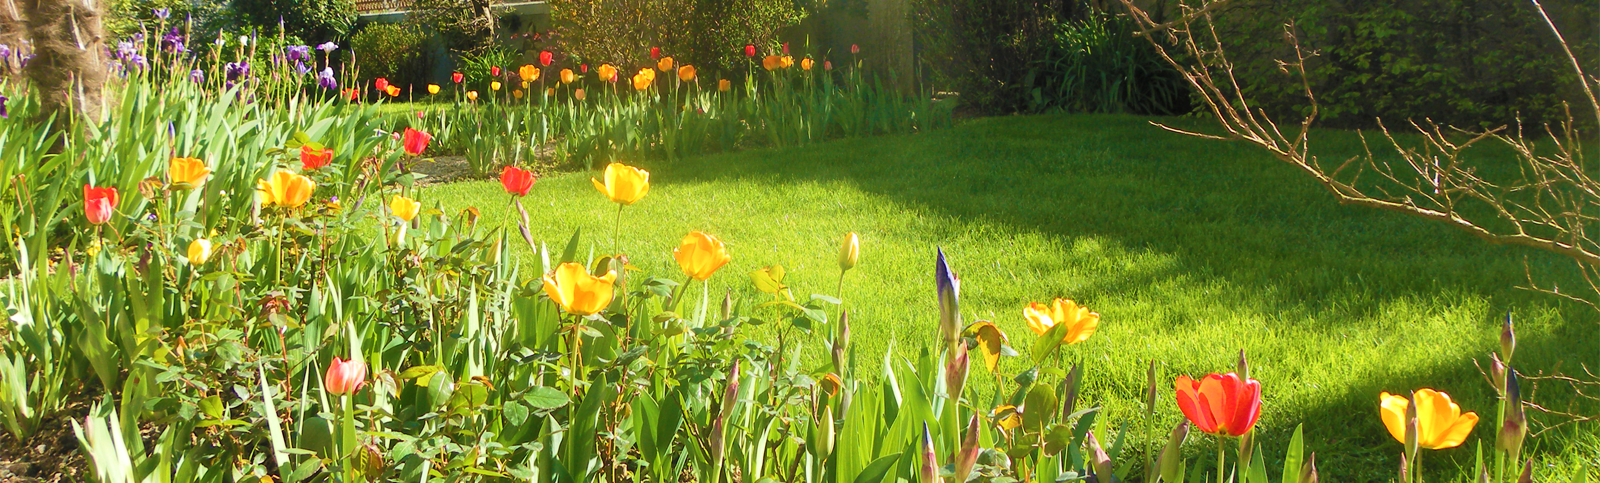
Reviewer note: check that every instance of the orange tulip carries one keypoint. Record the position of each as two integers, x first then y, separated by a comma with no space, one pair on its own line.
772,62
345,377
567,76
472,95
1220,404
607,72
724,85
665,64
578,94
806,63
644,79
686,73
700,255
786,61
517,93
285,189
392,90
528,73
312,158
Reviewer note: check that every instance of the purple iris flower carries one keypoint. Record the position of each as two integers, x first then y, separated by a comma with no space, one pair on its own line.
297,53
24,60
163,13
125,50
301,67
197,76
172,41
326,80
140,61
328,47
5,52
3,100
237,70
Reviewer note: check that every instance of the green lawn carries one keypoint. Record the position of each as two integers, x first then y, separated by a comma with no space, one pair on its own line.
1189,249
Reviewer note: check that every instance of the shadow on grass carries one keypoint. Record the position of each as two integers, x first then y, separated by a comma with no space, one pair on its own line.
1224,213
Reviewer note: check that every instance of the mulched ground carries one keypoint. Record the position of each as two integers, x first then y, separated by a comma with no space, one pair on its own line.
51,455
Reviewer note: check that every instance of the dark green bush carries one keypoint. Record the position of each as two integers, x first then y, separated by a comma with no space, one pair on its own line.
707,33
313,21
1461,62
1006,56
394,52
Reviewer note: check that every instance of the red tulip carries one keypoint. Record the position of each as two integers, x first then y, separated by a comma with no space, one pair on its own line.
352,94
517,181
456,77
1220,404
749,50
545,58
855,49
827,65
584,68
381,84
494,71
415,141
345,377
311,159
785,48
98,203
655,53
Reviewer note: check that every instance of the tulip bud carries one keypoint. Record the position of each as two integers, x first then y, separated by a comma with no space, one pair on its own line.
825,436
1247,446
849,252
948,285
1413,436
1527,472
1244,367
727,305
929,471
715,440
1483,475
1508,340
1069,391
1150,393
1171,462
1308,470
968,454
1515,426
199,251
955,372
841,343
732,394
1101,460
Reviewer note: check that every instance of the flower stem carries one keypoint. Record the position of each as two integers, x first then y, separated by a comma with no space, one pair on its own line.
1220,476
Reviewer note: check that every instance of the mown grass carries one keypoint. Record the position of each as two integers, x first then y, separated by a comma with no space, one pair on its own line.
1191,250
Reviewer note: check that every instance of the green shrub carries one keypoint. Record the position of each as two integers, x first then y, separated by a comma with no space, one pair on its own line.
708,33
1463,62
391,51
314,21
1020,56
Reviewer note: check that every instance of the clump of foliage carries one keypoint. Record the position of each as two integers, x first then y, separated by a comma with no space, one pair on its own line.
310,20
1024,56
392,51
711,33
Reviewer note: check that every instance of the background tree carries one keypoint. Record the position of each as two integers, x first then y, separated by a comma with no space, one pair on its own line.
68,69
312,21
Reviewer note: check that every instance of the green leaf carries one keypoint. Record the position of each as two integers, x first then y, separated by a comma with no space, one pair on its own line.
879,468
1258,467
1040,406
546,398
1049,341
570,254
1291,461
212,406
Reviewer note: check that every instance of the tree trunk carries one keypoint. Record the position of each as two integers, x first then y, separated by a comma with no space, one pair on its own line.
12,33
69,69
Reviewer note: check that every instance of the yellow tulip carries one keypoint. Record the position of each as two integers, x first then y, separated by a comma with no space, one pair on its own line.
665,64
644,79
472,95
686,73
1080,321
624,184
494,86
404,208
433,88
806,63
578,292
724,85
199,251
567,76
188,173
700,255
286,189
517,93
849,252
524,84
786,61
772,62
528,72
607,72
1440,422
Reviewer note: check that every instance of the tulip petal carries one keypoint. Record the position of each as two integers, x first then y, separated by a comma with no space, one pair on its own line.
1213,400
1247,409
1189,402
1392,409
1457,432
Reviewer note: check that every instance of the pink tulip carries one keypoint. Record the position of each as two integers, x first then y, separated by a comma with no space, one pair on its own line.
345,377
